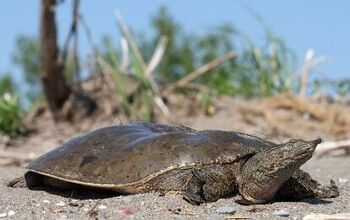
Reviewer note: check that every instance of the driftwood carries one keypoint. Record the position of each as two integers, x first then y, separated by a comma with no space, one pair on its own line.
333,146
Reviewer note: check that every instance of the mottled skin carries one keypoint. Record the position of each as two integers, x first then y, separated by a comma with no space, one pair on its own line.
203,166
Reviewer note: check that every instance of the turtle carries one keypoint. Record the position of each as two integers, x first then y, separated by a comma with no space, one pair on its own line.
200,165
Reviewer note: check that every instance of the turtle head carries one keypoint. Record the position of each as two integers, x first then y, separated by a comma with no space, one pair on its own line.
265,172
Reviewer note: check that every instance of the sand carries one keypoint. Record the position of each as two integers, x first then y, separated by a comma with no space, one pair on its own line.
41,204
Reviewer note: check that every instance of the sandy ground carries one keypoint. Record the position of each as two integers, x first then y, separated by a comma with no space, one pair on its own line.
232,114
29,204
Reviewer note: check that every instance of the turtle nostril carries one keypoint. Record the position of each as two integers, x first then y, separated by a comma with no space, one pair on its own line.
317,141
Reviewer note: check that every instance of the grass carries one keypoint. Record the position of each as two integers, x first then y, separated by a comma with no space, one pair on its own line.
259,69
11,122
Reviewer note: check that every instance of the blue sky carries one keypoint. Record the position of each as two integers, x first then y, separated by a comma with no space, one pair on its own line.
321,25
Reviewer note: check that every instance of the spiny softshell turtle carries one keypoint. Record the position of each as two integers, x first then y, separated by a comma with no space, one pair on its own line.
203,166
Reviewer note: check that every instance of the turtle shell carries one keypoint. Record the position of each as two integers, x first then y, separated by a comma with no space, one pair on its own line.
119,156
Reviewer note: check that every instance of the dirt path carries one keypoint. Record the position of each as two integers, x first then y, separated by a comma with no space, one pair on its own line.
27,204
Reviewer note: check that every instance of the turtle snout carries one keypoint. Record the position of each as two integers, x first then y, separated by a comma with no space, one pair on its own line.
304,147
317,141
312,144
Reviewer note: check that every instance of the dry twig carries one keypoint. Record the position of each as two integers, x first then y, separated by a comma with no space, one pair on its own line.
198,72
125,56
132,43
157,56
309,63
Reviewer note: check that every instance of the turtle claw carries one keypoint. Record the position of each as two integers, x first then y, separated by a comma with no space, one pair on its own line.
331,191
18,182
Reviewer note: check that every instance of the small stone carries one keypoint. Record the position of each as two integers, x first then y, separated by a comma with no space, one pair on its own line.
126,199
3,215
102,207
282,213
46,201
60,204
342,180
74,202
11,213
226,210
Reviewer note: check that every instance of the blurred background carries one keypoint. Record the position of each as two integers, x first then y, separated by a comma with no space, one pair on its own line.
273,69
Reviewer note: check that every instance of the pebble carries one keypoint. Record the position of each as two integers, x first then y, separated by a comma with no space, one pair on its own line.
46,201
282,213
3,215
60,204
342,180
126,199
226,210
11,213
74,202
102,207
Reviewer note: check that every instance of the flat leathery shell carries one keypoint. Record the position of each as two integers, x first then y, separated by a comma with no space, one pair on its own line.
126,155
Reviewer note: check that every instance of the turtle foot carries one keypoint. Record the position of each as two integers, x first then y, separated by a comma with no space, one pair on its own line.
331,191
193,192
18,182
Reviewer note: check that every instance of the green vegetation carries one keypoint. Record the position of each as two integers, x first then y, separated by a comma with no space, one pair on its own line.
10,109
187,51
342,88
6,84
259,69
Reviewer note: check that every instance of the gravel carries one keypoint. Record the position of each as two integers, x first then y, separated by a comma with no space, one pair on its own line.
39,204
282,213
226,210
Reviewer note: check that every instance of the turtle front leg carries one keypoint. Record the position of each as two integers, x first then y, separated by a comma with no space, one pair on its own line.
18,182
29,180
210,184
302,186
193,191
